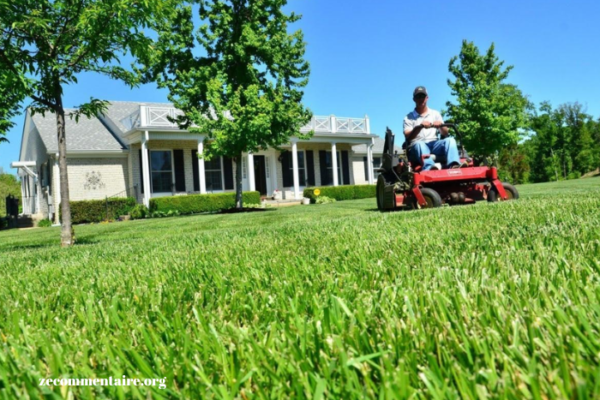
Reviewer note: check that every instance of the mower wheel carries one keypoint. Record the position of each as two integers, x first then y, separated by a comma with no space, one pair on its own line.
432,198
511,193
386,197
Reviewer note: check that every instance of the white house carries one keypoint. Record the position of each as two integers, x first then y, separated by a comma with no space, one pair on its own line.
134,150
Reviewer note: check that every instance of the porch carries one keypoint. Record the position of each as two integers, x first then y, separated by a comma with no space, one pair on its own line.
165,159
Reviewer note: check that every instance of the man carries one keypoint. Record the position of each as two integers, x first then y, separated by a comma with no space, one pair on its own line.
420,131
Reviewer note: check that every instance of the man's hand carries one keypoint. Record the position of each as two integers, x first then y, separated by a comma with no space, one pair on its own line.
426,124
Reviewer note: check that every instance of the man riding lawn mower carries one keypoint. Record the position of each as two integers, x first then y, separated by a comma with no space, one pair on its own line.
418,181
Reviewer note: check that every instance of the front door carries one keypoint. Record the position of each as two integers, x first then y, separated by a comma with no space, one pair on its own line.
260,175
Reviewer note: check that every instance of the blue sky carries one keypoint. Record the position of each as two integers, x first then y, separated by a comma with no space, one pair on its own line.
367,57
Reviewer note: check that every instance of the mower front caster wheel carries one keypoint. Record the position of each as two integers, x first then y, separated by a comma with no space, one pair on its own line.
432,198
511,193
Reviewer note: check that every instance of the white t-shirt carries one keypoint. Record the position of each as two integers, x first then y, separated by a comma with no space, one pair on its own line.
414,119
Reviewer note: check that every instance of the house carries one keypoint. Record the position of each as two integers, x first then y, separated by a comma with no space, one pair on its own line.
135,150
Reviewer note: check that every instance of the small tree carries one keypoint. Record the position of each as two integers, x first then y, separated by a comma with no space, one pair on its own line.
244,91
44,44
490,112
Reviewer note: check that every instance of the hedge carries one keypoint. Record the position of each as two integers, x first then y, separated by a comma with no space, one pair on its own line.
346,192
200,203
96,210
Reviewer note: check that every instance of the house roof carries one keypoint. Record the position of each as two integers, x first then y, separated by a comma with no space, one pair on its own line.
377,148
89,134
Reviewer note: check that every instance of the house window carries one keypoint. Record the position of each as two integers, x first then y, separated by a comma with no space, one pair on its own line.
213,173
329,163
376,166
162,171
301,168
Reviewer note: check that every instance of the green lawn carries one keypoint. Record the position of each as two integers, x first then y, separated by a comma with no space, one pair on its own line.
323,301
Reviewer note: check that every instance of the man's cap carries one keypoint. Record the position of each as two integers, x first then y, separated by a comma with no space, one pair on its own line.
420,90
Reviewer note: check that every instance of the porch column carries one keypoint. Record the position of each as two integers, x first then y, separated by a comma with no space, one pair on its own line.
370,163
201,170
295,170
146,170
56,191
334,164
251,185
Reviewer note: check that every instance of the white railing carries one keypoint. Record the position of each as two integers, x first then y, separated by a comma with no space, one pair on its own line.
148,116
333,124
132,121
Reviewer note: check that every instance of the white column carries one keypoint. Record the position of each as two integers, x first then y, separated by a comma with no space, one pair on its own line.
370,163
201,170
56,191
146,169
334,164
367,124
295,170
251,185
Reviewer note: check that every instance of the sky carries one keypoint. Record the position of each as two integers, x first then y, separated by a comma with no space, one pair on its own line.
367,57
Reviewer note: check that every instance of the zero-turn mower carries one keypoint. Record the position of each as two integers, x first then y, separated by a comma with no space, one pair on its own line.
402,185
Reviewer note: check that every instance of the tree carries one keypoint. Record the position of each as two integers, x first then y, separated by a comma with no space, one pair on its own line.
11,96
491,113
44,44
244,92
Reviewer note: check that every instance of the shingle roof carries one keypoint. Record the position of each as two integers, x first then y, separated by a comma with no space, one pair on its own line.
377,148
87,134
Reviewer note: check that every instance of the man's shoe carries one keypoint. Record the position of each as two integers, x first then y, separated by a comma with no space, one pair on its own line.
436,167
459,165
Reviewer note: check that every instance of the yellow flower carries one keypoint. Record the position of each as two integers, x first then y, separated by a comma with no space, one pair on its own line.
316,192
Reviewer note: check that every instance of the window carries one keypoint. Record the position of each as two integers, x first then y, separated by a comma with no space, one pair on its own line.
301,168
330,167
376,166
213,174
162,171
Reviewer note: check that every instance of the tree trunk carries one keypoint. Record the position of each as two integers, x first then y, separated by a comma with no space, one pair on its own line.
67,235
238,182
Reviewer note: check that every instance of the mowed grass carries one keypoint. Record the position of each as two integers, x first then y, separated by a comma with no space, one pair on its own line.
324,301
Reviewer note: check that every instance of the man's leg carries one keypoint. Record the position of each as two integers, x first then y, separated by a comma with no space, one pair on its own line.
416,152
446,151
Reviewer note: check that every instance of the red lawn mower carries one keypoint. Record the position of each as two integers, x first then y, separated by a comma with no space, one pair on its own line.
404,186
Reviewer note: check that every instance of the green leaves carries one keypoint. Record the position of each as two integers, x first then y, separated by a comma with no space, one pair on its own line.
491,113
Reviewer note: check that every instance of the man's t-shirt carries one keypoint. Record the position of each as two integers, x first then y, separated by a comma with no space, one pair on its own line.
414,119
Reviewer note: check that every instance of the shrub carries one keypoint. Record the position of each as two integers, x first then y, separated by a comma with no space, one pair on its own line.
100,210
45,223
139,211
347,192
325,200
200,203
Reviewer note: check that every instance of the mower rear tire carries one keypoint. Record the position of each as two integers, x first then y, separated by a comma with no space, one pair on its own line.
432,198
386,196
511,193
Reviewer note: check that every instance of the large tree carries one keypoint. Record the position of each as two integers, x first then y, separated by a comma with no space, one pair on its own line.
244,88
45,44
491,112
11,97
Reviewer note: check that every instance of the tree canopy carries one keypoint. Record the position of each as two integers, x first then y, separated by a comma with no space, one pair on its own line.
489,111
244,91
45,44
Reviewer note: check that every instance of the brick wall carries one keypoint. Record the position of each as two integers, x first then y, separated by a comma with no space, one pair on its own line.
96,178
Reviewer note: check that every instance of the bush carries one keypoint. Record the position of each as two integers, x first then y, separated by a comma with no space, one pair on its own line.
97,210
325,200
45,223
347,192
139,211
200,203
